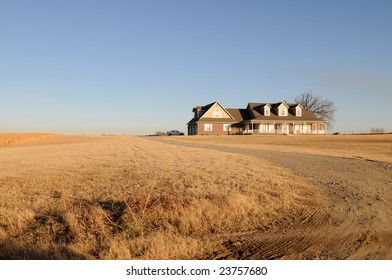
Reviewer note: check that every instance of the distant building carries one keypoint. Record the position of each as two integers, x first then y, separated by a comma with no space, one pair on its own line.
257,118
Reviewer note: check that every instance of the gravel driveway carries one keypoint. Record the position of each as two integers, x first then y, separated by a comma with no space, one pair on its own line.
356,222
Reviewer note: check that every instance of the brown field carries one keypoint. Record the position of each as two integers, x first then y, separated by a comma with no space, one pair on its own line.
68,197
9,139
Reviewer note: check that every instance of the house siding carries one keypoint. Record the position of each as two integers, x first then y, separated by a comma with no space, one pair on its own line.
265,128
217,129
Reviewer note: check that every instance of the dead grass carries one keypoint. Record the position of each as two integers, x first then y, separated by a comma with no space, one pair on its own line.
9,139
130,198
371,147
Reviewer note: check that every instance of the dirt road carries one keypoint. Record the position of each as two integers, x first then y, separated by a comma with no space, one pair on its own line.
356,222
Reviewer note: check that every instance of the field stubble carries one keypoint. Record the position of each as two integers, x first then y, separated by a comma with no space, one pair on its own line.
130,198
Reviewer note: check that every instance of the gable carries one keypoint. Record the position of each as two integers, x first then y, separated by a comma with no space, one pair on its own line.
283,105
216,111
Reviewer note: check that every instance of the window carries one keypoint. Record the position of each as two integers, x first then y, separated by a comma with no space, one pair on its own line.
298,112
227,127
266,111
217,114
283,112
207,127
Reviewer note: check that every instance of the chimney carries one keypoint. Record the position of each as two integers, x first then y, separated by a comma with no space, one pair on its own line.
197,110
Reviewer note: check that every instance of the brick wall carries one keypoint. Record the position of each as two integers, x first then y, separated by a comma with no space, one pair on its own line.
217,129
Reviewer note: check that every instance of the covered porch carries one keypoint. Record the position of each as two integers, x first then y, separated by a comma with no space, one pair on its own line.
284,128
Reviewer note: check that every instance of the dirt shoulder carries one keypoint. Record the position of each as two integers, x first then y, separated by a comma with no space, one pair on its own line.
356,222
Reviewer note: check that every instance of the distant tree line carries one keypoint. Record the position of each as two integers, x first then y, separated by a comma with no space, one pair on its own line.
377,130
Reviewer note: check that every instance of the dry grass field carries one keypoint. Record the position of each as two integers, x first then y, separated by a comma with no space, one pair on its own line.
69,197
130,198
10,139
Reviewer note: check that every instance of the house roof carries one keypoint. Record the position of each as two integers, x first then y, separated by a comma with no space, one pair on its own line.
206,108
295,105
255,112
239,115
305,116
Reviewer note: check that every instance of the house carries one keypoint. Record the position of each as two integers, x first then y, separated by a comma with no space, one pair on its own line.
256,118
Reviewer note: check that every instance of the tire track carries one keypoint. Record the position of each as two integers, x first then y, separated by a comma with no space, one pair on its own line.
355,222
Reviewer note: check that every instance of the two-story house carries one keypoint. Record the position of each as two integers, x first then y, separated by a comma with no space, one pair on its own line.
256,118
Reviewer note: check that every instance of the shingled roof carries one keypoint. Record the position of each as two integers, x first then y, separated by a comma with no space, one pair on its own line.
239,115
255,112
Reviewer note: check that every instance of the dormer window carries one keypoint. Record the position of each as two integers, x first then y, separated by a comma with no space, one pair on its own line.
283,112
217,114
267,111
283,109
298,111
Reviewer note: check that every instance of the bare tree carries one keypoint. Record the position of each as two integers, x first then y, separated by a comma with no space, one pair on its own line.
322,108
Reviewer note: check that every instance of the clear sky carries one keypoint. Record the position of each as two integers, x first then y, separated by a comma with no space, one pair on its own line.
136,67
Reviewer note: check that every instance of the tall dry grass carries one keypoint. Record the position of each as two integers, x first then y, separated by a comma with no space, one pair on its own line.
130,198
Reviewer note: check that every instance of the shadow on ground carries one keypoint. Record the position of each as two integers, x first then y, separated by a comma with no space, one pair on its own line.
10,251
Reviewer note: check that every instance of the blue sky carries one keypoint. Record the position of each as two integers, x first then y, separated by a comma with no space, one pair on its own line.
136,67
